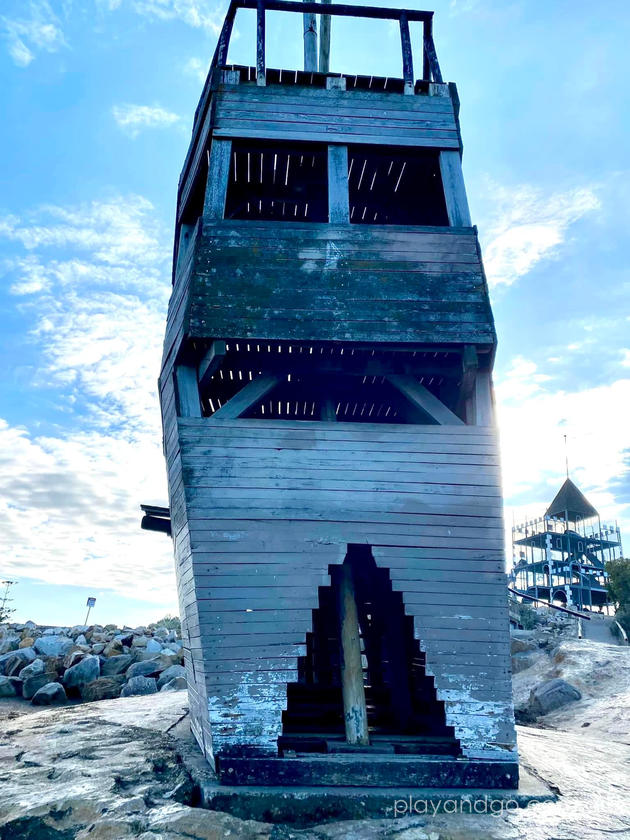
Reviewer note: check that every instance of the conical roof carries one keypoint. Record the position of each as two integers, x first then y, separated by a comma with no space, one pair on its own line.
571,503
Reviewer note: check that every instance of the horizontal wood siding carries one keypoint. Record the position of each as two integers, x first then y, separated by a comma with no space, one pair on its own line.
338,282
312,114
270,505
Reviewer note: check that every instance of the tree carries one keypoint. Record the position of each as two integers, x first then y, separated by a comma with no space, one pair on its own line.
619,589
619,583
171,622
5,611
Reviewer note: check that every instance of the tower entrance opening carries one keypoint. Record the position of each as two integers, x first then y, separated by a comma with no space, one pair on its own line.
402,712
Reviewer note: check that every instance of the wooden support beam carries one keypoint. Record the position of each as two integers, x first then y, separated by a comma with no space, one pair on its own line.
454,189
407,55
426,66
354,707
324,41
310,42
210,363
338,196
429,49
246,397
218,176
328,411
260,44
484,403
470,366
187,390
423,399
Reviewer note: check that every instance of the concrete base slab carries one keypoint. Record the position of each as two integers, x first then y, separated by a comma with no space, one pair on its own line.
303,806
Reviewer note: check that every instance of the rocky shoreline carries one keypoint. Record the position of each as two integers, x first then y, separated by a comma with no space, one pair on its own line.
53,665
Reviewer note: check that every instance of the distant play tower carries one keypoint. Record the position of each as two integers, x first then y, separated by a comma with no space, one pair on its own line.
562,555
329,430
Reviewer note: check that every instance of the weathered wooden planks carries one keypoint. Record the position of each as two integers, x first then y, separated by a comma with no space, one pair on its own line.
330,282
313,114
254,575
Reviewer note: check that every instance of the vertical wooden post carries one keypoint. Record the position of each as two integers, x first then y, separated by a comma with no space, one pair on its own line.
187,390
354,708
260,43
426,66
310,42
218,176
484,408
324,41
407,56
338,199
454,189
328,411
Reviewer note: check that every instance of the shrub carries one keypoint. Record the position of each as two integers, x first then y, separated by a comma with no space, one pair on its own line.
171,622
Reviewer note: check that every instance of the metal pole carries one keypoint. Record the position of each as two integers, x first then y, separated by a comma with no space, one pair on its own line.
87,616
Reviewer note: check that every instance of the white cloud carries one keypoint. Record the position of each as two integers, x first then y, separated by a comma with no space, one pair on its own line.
526,226
39,31
133,118
97,285
197,68
201,14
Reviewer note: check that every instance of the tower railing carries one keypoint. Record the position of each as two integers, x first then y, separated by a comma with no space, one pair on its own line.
430,65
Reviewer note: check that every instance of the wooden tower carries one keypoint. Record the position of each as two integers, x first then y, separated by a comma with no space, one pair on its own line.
562,555
332,458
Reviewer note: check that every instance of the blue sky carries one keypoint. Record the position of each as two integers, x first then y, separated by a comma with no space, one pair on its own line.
97,99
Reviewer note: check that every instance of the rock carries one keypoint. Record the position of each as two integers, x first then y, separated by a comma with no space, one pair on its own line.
164,661
35,667
9,642
116,665
171,673
34,683
53,645
153,646
103,688
7,689
98,648
183,821
113,648
26,654
124,639
83,672
161,632
523,660
139,641
139,685
49,695
73,657
150,668
522,645
13,665
552,695
80,639
17,683
176,684
27,641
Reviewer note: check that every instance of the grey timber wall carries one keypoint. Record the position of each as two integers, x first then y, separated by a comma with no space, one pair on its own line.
263,508
339,116
337,282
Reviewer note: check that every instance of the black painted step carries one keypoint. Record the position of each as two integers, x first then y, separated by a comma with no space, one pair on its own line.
369,771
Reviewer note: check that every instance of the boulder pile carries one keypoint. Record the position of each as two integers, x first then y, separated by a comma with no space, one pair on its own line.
49,665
